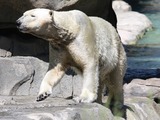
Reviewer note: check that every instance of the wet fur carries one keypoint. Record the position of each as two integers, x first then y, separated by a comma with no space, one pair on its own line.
89,44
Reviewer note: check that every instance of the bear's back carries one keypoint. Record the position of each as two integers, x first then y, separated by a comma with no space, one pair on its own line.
107,40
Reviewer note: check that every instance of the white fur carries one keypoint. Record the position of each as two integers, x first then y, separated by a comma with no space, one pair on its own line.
89,44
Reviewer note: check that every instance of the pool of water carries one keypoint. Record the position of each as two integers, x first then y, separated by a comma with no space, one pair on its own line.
145,55
151,8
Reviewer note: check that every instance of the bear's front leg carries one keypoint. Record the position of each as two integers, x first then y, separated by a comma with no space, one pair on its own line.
90,84
51,78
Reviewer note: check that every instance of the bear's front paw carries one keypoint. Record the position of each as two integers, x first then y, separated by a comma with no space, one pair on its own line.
42,96
44,92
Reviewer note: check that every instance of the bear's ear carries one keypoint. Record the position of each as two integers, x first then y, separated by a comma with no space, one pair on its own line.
51,12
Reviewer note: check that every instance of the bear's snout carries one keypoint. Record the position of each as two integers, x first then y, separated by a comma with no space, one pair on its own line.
21,26
18,23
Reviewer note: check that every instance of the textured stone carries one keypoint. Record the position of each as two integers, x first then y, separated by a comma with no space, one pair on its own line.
5,53
120,5
142,108
26,108
132,26
40,68
14,73
64,89
23,76
56,109
144,88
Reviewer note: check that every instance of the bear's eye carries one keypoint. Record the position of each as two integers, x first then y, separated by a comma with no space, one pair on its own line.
33,16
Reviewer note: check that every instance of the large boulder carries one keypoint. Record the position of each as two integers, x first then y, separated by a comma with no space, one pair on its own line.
144,88
25,107
20,80
18,75
143,99
142,108
120,5
131,25
23,76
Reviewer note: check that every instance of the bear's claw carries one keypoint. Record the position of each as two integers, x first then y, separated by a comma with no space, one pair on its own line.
42,96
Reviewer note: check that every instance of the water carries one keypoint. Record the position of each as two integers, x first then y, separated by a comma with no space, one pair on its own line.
151,8
145,55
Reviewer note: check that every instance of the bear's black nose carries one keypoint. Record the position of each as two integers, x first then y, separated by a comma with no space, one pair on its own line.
18,23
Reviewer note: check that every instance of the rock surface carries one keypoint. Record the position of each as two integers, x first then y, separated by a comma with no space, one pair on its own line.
120,5
18,75
142,98
25,107
18,108
142,108
131,25
144,88
25,75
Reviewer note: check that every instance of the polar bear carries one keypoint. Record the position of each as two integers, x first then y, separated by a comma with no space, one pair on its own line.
90,45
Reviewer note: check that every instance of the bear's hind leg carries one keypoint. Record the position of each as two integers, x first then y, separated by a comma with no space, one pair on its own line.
115,99
114,84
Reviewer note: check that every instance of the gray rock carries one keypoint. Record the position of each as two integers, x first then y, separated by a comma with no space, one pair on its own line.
141,96
143,88
40,68
53,109
23,76
120,5
132,26
65,88
25,107
142,108
13,73
5,53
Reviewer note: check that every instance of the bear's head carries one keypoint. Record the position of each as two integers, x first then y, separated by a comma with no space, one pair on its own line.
36,21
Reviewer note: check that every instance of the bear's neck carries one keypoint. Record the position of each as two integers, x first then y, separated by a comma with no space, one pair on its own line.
57,36
61,37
